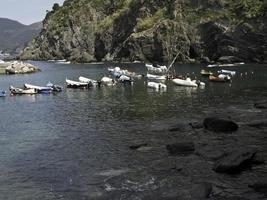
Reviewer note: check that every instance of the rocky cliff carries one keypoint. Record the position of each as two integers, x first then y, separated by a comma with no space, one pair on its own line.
153,30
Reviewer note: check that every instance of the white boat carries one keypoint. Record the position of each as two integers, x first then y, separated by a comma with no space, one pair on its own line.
157,86
2,62
15,90
39,88
107,81
125,79
117,72
88,80
158,69
76,84
232,73
156,77
187,82
224,76
64,61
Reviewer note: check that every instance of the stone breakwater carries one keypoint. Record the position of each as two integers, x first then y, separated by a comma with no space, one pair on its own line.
17,67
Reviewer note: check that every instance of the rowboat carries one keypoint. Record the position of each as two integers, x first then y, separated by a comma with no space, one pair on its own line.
232,73
2,93
88,81
204,72
185,82
156,77
39,89
15,91
55,88
125,79
157,86
220,78
76,84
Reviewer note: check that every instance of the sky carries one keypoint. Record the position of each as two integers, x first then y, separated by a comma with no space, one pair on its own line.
26,11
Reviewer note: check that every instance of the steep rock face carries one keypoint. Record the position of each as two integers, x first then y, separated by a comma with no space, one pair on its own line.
148,30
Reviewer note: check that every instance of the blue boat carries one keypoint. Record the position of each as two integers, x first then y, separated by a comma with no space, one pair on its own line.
2,93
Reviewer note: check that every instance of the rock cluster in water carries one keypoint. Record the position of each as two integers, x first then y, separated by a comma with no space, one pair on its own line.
16,67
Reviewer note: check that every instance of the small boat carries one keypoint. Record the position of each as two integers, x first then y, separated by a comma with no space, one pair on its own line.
204,72
185,82
156,77
87,80
76,84
2,93
157,86
39,89
220,78
158,69
15,91
125,79
107,81
55,88
232,73
64,61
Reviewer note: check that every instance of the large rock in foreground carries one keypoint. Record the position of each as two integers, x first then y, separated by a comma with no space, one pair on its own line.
220,125
16,67
235,161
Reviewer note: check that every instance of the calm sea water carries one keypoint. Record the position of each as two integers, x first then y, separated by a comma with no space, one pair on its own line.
65,146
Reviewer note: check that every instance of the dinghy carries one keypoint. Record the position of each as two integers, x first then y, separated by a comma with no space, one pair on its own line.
156,77
158,69
39,89
88,81
220,78
15,91
157,86
76,84
204,72
185,82
55,88
2,93
232,73
125,79
107,81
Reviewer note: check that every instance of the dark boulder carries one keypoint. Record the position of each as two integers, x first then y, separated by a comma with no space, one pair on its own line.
201,191
236,161
220,125
260,187
184,148
261,105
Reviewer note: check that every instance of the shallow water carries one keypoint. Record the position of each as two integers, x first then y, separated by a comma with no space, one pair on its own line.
72,144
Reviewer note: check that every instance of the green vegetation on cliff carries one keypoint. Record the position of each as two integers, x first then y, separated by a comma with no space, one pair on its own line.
153,30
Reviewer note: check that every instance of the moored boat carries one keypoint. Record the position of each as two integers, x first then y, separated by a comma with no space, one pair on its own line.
185,82
220,78
232,73
76,84
55,88
156,77
157,86
39,89
158,69
125,79
204,72
15,91
2,93
107,81
87,80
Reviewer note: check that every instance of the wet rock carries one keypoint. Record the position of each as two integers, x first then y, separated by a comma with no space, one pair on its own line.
261,105
260,187
196,125
137,146
184,148
220,125
201,191
258,124
236,161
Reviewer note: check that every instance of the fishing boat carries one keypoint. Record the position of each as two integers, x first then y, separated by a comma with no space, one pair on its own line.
157,86
76,84
15,91
185,82
220,78
39,89
158,69
2,93
232,73
156,77
204,72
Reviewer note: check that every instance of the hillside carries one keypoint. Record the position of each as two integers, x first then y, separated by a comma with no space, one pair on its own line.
153,30
14,36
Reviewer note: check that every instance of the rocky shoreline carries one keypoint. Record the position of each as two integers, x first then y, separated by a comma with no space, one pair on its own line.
218,158
17,67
